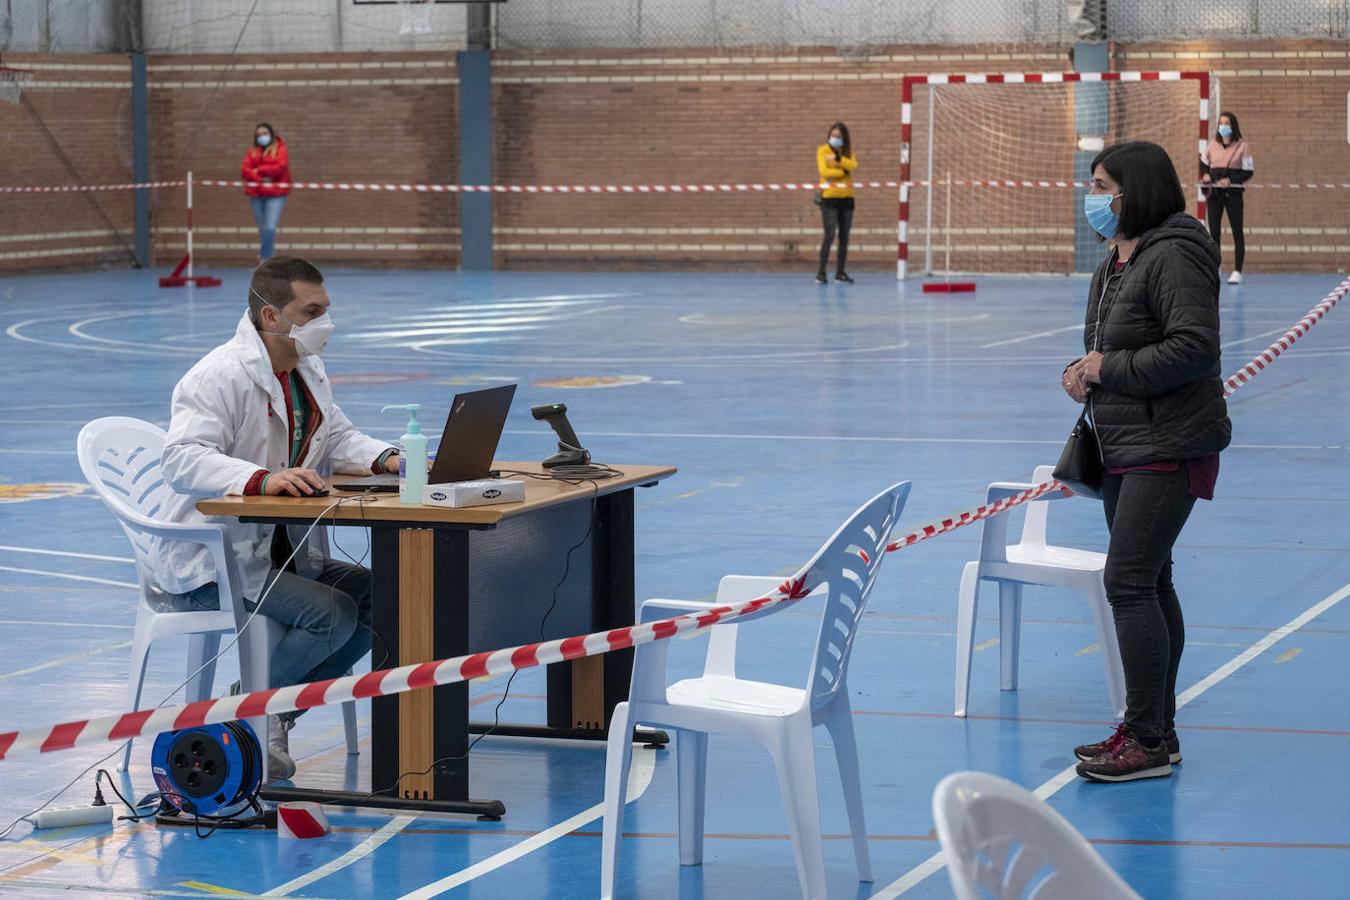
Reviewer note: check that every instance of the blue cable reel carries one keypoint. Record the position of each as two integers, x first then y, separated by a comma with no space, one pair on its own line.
208,771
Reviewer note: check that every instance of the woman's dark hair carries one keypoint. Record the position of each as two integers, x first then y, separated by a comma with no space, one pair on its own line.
270,130
847,149
1237,129
1149,184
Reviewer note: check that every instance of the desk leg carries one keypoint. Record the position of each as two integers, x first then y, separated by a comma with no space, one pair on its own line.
582,694
421,612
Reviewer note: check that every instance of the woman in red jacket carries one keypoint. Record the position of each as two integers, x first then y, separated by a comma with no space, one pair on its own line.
267,173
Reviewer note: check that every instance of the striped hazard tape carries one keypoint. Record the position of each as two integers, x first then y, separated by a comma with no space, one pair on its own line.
385,682
722,188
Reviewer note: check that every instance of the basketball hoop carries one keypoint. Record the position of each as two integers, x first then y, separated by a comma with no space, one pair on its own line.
414,17
13,82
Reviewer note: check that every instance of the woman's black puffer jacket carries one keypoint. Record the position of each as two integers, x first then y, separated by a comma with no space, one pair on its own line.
1161,395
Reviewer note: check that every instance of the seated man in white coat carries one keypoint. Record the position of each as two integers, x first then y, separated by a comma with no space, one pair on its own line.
256,416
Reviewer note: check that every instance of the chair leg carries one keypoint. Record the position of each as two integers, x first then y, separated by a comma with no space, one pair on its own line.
202,649
794,761
691,758
839,722
349,723
618,757
1110,644
1009,632
967,604
140,651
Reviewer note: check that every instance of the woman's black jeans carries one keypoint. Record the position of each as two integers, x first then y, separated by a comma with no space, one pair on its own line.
835,216
1230,199
1145,512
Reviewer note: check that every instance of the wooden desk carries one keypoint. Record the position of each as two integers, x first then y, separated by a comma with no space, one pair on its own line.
447,582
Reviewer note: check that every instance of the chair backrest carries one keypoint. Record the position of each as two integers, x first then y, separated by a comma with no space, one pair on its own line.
1003,843
994,532
845,568
1033,526
120,457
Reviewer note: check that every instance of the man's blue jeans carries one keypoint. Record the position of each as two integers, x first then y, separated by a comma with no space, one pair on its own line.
328,621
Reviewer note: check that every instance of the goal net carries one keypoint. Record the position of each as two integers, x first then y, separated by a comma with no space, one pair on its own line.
995,166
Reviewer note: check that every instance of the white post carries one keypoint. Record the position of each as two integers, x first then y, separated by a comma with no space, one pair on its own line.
189,225
928,214
947,227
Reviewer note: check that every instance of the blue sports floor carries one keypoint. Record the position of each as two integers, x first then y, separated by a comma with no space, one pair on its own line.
784,405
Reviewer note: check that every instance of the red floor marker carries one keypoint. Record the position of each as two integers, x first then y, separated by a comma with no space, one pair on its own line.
948,287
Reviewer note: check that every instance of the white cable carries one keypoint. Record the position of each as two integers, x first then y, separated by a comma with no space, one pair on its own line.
119,748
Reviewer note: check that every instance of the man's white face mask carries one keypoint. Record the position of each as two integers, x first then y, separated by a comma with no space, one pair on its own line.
310,338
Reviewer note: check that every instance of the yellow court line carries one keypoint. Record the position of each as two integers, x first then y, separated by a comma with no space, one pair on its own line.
214,889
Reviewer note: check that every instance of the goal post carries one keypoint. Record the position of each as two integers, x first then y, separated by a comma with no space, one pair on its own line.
994,180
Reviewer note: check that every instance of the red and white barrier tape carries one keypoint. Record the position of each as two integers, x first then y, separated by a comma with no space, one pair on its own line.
380,683
1286,340
385,682
78,188
728,188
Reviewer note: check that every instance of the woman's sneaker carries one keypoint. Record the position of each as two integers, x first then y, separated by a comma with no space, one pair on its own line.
1127,760
843,278
1086,752
821,279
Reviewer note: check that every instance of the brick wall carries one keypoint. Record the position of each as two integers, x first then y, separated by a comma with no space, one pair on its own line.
85,104
344,117
621,117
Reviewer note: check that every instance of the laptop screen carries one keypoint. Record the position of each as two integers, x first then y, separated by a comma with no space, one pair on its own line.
472,432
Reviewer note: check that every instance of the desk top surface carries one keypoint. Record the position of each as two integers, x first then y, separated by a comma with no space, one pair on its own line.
385,507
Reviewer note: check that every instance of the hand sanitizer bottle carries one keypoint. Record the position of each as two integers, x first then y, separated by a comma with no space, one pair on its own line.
412,457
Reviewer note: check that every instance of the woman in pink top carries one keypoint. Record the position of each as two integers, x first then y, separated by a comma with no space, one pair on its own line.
1226,164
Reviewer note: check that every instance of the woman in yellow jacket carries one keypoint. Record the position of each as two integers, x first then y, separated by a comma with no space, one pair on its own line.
835,162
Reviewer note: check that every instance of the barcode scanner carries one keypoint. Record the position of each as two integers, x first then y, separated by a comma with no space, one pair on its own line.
570,452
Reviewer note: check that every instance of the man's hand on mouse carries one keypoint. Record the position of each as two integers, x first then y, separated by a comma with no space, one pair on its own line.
297,482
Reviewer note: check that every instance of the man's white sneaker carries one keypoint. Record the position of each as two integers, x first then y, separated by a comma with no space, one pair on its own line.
1235,278
279,762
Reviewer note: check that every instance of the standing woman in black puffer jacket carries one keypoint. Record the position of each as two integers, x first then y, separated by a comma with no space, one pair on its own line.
1155,399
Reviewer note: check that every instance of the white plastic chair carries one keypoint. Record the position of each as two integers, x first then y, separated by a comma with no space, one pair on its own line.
1003,843
120,457
1030,562
778,717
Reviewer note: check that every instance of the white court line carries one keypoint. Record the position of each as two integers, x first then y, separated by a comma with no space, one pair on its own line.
63,624
639,777
60,661
1254,337
1031,337
125,584
835,438
120,559
356,854
41,452
936,862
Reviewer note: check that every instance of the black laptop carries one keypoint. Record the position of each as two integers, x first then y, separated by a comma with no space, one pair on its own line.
467,445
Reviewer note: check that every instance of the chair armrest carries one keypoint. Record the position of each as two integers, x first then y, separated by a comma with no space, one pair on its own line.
740,588
1001,490
212,537
657,609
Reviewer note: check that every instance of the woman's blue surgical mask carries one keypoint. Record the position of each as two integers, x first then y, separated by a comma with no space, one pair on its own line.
264,140
837,142
1225,131
1097,209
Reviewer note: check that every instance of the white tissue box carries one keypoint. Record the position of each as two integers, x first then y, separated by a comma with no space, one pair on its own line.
474,493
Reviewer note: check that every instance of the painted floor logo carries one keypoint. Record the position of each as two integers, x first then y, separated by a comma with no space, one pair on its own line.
599,381
50,490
